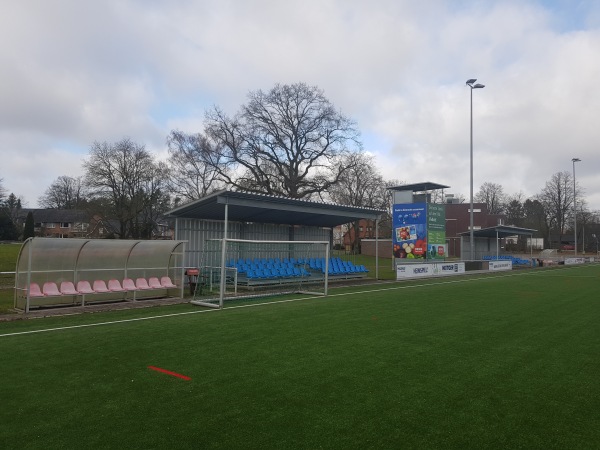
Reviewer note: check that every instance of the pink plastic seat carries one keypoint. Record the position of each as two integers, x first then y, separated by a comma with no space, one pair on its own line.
35,291
115,286
129,285
142,284
154,283
167,283
83,287
68,288
50,289
100,287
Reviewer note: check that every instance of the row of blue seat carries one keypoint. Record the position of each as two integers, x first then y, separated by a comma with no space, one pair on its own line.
233,262
277,273
265,268
337,266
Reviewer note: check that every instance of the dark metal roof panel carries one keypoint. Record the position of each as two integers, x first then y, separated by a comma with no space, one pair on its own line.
418,187
246,207
500,231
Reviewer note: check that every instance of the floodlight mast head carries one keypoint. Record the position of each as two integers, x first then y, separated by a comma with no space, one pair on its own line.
471,81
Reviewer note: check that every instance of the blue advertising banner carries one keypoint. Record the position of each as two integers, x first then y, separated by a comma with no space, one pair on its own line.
410,230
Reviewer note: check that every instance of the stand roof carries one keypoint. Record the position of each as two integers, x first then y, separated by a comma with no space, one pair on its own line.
419,187
500,231
247,207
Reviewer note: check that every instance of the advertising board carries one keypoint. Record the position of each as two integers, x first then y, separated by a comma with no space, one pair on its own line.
572,261
419,231
436,231
500,265
404,271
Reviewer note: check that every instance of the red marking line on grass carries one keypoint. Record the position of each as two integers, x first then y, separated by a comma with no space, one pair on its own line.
168,372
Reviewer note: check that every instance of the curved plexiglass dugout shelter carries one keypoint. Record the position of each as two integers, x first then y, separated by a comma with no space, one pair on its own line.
44,262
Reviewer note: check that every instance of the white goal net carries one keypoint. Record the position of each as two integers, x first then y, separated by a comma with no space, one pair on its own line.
240,269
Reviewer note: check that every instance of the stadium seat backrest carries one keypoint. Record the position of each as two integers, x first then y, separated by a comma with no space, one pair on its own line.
115,286
100,286
50,288
167,283
68,288
35,291
129,285
142,283
83,287
154,283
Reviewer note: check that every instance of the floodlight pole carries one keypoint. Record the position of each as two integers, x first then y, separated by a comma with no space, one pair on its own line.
574,160
470,83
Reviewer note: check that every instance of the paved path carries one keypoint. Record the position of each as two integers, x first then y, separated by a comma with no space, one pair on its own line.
99,307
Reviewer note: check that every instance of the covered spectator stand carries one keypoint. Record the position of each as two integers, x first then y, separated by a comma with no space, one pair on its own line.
53,272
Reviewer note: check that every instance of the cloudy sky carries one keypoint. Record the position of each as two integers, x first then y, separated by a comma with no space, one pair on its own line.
74,72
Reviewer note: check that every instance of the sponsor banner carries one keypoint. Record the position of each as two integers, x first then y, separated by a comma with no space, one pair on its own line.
449,268
500,265
436,231
410,230
413,270
571,261
404,271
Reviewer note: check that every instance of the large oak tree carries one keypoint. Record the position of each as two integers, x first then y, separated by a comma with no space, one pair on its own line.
290,141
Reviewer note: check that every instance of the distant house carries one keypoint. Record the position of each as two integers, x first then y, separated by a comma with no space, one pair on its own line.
76,223
58,223
366,230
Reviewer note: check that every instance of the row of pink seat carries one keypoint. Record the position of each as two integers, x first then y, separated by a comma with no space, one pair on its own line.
50,289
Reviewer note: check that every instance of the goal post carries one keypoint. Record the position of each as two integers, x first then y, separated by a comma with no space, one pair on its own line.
242,268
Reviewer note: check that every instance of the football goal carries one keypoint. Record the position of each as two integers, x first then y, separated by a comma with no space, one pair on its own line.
239,269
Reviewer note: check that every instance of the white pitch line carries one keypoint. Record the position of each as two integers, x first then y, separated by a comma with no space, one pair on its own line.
253,305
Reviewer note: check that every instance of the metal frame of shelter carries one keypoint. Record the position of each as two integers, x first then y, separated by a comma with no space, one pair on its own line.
499,232
229,207
55,260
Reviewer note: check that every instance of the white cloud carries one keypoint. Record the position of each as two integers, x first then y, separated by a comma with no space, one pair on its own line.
76,72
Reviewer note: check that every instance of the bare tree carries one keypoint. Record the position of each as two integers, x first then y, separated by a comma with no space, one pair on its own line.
492,194
289,141
557,200
64,193
124,177
362,185
193,161
514,210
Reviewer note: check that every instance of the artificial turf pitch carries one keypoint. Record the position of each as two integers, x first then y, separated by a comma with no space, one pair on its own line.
508,361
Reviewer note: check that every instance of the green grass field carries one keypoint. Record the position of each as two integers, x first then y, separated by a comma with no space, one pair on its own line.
8,260
504,361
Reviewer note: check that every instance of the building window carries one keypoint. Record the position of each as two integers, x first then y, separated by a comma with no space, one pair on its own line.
65,224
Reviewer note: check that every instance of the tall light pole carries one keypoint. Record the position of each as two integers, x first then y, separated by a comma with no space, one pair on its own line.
470,83
575,203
